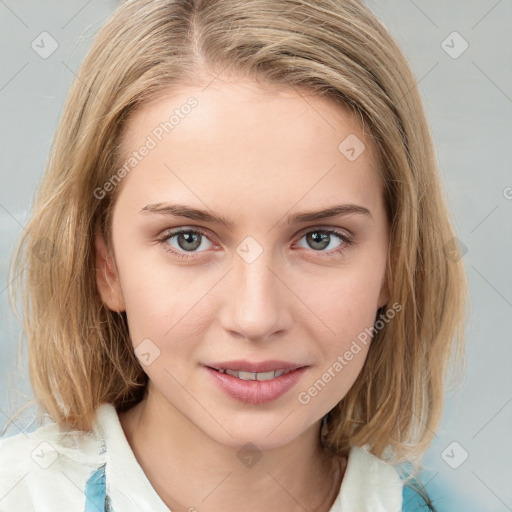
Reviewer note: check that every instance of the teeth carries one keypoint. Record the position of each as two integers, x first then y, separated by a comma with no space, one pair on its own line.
247,375
265,375
255,376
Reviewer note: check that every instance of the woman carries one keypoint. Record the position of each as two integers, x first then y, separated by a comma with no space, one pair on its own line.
286,346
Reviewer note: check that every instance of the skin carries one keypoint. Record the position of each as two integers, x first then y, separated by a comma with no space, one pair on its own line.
254,156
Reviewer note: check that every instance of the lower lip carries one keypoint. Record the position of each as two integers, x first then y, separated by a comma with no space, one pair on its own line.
256,391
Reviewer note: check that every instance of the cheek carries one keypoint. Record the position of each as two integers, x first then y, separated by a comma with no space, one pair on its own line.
345,300
165,304
348,309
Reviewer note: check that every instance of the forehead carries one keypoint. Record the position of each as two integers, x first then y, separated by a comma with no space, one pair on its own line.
248,146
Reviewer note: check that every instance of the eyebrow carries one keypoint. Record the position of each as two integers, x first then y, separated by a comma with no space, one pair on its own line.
178,210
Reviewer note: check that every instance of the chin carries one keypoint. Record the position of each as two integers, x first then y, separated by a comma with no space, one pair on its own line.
264,435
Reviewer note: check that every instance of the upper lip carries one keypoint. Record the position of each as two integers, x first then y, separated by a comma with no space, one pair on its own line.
255,367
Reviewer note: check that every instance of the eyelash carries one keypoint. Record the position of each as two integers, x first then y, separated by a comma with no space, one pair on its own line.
345,239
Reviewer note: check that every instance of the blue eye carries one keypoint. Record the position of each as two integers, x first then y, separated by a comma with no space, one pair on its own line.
190,240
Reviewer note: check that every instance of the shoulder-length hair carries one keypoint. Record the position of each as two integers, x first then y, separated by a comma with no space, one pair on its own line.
80,354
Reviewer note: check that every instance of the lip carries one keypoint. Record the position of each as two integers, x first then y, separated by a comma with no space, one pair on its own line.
255,367
255,391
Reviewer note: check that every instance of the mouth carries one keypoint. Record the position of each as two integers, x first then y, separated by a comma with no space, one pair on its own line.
253,370
261,376
256,383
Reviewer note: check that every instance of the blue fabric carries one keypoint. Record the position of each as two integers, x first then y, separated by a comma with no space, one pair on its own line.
96,495
412,501
95,491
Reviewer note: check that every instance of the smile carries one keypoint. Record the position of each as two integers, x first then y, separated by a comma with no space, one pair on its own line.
255,375
256,387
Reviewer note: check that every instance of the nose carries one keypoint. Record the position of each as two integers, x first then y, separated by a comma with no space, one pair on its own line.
257,303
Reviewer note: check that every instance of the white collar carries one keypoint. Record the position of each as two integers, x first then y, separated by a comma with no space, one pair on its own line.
369,484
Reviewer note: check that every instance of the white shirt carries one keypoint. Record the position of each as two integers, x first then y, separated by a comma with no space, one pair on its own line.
49,470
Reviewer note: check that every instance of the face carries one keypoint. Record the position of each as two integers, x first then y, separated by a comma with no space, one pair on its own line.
252,283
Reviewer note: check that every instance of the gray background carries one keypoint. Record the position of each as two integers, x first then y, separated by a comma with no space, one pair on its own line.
468,97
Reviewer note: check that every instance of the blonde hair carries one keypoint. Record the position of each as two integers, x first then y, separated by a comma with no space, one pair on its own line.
80,354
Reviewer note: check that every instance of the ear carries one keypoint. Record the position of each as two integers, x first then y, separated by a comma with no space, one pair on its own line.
107,278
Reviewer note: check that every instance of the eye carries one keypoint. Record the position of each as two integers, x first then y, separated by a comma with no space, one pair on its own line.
181,241
186,240
320,239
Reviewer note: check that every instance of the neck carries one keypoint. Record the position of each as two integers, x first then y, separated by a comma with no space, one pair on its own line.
189,470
